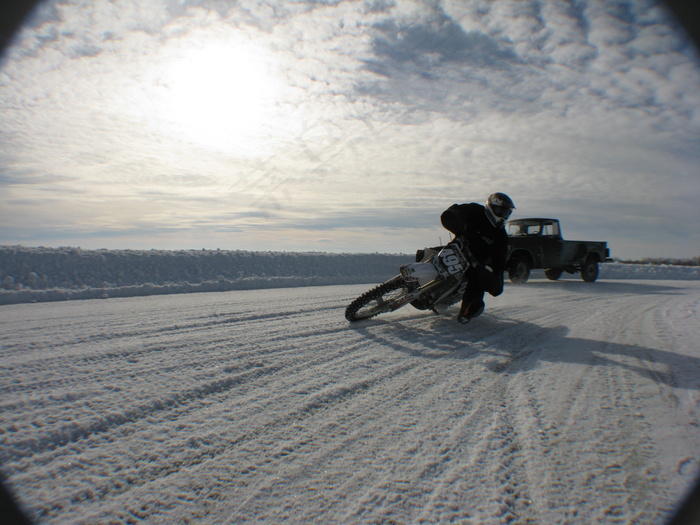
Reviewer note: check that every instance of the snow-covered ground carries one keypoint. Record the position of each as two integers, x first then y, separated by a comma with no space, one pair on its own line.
566,402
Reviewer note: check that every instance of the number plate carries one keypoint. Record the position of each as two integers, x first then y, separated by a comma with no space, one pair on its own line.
451,261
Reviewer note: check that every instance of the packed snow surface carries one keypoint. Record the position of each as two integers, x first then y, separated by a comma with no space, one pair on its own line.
565,402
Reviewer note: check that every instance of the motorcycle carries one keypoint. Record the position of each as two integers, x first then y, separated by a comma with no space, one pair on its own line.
434,282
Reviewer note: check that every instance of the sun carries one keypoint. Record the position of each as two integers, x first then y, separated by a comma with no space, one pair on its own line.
222,95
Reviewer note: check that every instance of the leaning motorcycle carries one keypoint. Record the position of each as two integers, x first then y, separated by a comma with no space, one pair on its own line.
434,282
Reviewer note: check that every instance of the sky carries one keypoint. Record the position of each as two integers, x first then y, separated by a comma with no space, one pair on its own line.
347,126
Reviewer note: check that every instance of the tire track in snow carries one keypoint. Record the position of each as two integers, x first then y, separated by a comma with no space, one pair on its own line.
164,404
608,373
121,361
497,440
413,417
118,363
274,429
157,332
180,401
628,449
77,430
638,464
68,434
533,428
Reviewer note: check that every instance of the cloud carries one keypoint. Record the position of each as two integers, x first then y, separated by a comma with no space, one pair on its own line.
431,43
385,113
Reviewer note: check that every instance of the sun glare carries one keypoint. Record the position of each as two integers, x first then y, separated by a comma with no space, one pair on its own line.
222,96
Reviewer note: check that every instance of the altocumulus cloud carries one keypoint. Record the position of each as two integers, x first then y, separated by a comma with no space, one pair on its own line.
379,114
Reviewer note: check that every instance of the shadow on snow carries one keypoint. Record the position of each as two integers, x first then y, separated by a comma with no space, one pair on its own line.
518,346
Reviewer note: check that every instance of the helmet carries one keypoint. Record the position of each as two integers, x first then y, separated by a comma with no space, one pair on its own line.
498,208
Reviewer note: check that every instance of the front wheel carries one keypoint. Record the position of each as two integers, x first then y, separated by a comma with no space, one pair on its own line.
589,270
378,300
519,271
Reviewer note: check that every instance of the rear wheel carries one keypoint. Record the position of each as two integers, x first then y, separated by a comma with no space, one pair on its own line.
589,270
553,273
378,300
519,271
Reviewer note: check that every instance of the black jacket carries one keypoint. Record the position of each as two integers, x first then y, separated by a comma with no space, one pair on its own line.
486,242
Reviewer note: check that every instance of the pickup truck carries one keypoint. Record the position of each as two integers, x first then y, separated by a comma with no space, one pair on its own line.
537,243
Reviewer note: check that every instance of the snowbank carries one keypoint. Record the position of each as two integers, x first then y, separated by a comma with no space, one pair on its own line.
58,274
649,271
617,270
54,274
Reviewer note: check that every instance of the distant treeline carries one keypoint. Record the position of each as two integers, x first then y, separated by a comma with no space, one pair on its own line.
693,261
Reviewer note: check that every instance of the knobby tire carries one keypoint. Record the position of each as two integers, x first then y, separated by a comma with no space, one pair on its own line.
362,307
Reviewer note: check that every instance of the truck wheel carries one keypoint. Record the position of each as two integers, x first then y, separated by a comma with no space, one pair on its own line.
553,273
519,271
589,270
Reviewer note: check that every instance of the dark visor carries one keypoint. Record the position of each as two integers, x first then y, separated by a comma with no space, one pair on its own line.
501,211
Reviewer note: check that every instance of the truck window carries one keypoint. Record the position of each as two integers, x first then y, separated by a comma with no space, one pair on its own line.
552,229
517,229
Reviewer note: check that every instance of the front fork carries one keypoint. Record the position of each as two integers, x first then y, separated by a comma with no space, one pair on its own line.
416,293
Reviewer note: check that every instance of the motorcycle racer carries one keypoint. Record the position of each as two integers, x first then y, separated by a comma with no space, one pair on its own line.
482,227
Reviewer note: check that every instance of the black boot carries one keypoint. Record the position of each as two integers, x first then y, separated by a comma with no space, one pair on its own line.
470,310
